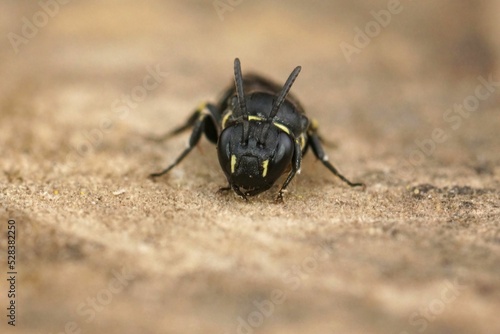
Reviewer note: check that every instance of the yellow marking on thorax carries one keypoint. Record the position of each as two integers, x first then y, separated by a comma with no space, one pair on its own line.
202,106
201,110
254,118
302,141
265,163
314,124
233,163
282,127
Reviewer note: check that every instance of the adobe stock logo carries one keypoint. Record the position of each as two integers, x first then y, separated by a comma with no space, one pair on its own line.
372,29
422,318
222,6
292,280
31,27
93,138
454,117
89,309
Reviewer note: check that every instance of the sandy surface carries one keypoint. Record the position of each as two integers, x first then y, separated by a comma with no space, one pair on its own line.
102,249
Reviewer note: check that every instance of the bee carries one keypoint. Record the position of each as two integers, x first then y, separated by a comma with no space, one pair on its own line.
261,133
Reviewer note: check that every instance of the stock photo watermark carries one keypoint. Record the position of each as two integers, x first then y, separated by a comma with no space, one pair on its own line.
292,281
31,26
119,108
11,272
97,303
454,117
372,29
421,319
223,6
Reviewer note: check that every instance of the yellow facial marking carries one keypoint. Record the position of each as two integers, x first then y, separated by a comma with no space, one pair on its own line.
265,163
233,163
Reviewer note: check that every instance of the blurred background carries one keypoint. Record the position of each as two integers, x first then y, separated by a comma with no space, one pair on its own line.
83,82
382,76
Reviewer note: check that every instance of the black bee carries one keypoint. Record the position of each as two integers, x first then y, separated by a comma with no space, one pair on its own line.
261,133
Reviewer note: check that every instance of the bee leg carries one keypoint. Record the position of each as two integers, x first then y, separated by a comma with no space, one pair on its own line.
296,162
197,121
204,108
236,189
315,143
189,124
224,189
238,192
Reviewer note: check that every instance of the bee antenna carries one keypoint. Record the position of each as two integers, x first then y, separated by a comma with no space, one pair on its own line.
284,92
238,80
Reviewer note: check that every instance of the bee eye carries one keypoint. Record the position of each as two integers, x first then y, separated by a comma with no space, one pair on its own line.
282,157
224,149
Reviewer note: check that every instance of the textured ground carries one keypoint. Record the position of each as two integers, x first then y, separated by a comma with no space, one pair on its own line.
102,249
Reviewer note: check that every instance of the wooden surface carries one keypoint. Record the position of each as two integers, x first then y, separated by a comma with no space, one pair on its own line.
102,249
